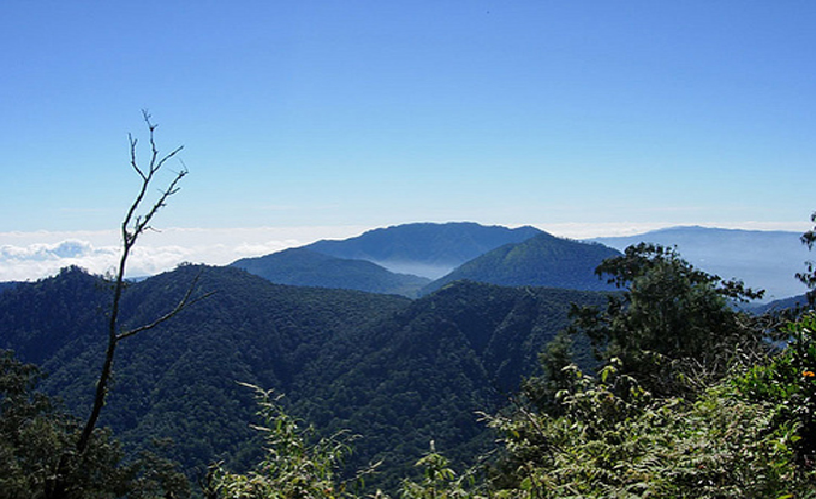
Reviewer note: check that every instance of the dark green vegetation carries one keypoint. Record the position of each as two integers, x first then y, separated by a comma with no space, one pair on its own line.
397,372
303,267
543,260
690,399
35,432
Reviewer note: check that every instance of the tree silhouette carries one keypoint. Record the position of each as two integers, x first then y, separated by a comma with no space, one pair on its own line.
136,222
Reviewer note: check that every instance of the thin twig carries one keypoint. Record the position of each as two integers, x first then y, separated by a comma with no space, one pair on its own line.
183,303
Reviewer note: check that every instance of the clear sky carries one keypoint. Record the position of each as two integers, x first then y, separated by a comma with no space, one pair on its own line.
309,119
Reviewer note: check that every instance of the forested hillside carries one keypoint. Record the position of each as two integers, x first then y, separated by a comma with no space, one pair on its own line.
661,389
542,260
399,373
303,267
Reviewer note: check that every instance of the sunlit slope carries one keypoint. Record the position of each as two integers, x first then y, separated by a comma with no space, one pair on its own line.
543,260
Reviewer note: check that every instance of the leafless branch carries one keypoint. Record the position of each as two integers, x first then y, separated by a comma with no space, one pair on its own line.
186,301
133,225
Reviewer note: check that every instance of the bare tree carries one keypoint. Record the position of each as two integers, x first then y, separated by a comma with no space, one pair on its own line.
136,222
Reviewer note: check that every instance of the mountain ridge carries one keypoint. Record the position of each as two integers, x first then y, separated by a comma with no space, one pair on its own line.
543,260
384,260
399,372
304,267
439,246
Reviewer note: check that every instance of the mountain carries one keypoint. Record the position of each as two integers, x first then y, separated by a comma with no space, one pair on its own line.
423,373
763,259
424,249
304,267
45,319
543,260
793,303
397,372
180,380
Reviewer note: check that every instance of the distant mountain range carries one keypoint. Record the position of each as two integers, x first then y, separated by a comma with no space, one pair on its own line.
763,259
525,256
403,259
304,267
398,371
424,249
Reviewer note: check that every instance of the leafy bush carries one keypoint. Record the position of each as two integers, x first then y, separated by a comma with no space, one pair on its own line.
615,440
788,382
295,466
38,448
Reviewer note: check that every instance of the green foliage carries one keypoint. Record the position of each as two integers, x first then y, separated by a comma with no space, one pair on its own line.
809,277
789,382
672,411
673,326
439,481
614,440
297,465
542,260
37,445
303,267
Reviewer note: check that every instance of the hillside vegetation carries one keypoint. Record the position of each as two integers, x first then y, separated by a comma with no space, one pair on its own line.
303,267
645,381
396,372
543,260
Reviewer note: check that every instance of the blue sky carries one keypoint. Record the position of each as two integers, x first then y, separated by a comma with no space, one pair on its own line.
578,117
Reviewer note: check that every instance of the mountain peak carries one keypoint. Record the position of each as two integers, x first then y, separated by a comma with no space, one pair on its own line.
542,260
427,249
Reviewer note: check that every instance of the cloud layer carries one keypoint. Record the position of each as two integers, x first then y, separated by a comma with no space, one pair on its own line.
38,254
34,255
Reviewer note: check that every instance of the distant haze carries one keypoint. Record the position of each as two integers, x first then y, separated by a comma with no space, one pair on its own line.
422,270
763,259
36,254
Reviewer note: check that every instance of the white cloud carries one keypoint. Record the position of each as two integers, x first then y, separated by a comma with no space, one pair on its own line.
33,255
